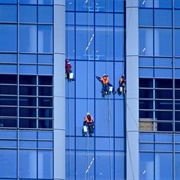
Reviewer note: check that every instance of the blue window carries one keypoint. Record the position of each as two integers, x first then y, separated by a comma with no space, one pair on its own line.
163,42
70,41
28,164
45,2
163,62
163,17
8,58
119,20
145,17
45,14
176,18
146,62
176,3
82,19
163,4
163,73
45,38
146,72
119,165
45,59
45,164
28,38
105,6
8,42
9,1
119,5
28,13
177,162
28,69
45,70
177,42
119,43
104,144
28,1
8,13
8,68
8,164
104,19
27,59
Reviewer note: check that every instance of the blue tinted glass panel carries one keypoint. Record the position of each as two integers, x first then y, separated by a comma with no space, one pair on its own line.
82,107
70,164
146,41
28,1
119,144
28,144
119,19
85,47
177,17
82,164
45,14
45,135
105,6
163,115
8,163
163,62
119,118
8,111
104,118
70,143
163,72
163,166
27,58
120,165
11,122
8,42
119,43
28,164
45,70
28,38
83,18
146,137
104,165
87,69
8,1
45,42
177,162
45,102
70,5
146,147
145,17
28,14
45,144
104,144
45,2
28,69
163,4
81,143
177,42
177,73
146,166
8,68
8,13
45,59
8,134
119,5
104,19
177,62
104,43
70,18
70,117
8,100
6,58
27,101
70,38
145,62
145,72
27,135
45,164
163,147
8,144
163,42
45,112
163,17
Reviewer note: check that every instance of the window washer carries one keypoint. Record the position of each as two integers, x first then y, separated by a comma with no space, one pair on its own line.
122,84
107,87
88,125
69,73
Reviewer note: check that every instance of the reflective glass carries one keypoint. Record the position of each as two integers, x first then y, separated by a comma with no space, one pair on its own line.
119,5
8,69
5,122
45,59
70,5
45,2
177,105
27,58
81,143
120,165
45,38
104,144
104,43
28,144
87,70
104,165
5,89
28,38
45,164
162,17
104,118
177,94
163,62
28,164
82,5
145,17
8,1
45,135
45,112
8,144
70,164
163,147
177,162
70,42
28,1
104,19
85,47
163,94
163,115
8,111
177,116
177,62
164,127
145,93
163,166
146,137
27,135
119,144
163,83
28,13
8,134
146,147
7,58
177,41
163,4
27,112
105,6
45,14
27,101
163,42
48,70
45,123
45,80
8,42
31,80
119,43
8,163
163,138
84,19
8,79
146,167
145,104
145,72
176,3
8,100
119,20
28,69
177,73
8,13
145,114
45,91
45,144
47,102
146,41
163,73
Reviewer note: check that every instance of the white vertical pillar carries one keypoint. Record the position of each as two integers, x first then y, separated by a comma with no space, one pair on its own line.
59,89
132,95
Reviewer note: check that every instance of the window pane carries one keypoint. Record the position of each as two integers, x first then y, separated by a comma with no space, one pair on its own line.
46,112
8,100
119,43
45,91
8,13
145,17
27,101
45,35
177,42
27,112
163,17
27,79
163,4
176,17
45,80
48,102
10,90
28,38
45,59
45,14
28,69
8,122
45,124
6,58
27,58
8,42
27,123
8,111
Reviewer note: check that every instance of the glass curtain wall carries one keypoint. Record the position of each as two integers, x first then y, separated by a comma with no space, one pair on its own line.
159,80
95,46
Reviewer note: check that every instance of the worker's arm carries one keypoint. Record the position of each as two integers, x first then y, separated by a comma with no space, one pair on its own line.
98,78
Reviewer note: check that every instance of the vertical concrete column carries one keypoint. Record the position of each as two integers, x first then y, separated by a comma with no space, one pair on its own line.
59,89
132,95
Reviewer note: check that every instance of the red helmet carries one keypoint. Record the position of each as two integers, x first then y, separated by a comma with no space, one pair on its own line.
67,60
